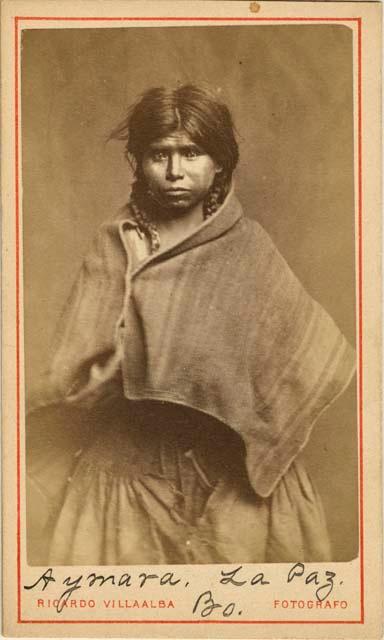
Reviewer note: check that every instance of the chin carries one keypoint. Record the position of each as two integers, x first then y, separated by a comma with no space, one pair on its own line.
177,211
178,207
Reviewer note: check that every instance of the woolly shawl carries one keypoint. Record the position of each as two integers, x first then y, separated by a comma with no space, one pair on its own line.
218,323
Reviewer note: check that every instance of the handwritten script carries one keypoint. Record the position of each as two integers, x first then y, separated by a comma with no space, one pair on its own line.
320,583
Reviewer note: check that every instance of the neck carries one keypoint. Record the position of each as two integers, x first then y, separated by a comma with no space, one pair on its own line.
173,228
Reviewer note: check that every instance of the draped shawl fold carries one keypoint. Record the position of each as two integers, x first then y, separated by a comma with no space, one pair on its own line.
218,323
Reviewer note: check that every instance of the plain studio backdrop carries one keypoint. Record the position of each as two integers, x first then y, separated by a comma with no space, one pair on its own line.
290,89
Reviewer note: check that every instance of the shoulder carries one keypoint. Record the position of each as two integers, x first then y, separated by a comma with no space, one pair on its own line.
253,227
260,251
107,249
110,228
256,234
111,224
123,213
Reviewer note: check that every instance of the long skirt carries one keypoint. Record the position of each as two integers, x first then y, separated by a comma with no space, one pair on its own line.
155,483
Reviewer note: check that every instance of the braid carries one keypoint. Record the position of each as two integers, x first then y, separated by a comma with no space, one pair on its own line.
216,195
143,220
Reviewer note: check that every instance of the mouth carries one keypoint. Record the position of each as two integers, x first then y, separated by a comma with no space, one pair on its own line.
177,190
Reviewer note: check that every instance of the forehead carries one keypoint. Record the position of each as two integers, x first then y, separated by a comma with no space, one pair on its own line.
173,141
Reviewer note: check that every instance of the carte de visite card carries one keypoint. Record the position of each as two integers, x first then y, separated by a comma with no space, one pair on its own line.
191,319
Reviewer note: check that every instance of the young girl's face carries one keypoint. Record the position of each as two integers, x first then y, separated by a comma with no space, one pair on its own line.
178,172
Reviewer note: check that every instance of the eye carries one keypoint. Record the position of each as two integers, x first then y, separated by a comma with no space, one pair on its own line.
158,156
192,152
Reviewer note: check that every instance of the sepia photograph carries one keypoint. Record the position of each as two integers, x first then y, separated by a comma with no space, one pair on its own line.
191,408
189,294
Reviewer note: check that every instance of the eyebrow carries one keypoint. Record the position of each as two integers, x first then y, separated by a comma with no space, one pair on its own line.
158,146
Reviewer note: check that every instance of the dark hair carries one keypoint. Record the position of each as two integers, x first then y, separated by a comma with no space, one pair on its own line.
160,112
197,111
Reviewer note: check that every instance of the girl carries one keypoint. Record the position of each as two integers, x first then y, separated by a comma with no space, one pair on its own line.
191,362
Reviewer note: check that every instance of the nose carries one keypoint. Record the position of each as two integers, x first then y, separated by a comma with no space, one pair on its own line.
175,167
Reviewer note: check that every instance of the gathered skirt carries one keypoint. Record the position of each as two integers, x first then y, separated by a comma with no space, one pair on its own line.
154,483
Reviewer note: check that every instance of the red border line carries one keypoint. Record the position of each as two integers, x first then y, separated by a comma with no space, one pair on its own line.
17,222
360,293
195,19
360,316
192,621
